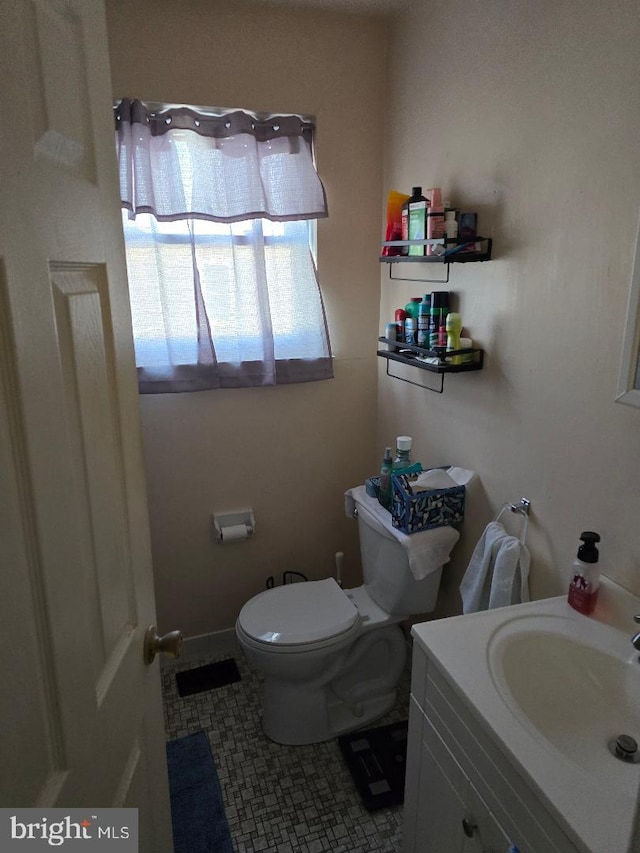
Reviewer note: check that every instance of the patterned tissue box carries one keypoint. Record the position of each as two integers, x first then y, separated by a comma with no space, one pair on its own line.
414,511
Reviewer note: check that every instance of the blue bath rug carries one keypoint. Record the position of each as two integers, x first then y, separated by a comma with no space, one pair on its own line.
197,810
377,759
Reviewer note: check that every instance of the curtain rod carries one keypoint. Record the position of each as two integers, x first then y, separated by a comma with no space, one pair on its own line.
219,112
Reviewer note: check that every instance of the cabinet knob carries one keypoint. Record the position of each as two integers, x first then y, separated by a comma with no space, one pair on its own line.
469,826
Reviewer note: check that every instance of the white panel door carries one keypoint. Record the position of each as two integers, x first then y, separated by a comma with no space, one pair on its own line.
81,713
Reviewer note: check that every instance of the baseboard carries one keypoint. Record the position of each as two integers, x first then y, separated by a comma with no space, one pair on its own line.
218,644
208,647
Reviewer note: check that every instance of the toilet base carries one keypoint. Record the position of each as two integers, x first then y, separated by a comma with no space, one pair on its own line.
317,717
360,688
344,719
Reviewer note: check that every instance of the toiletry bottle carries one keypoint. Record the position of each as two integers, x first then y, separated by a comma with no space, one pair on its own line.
413,308
390,334
414,211
435,220
466,343
467,230
442,328
439,311
400,317
454,327
386,487
395,200
585,575
434,319
450,228
403,454
424,315
410,331
404,225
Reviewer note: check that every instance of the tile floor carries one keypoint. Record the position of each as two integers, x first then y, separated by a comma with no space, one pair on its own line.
280,799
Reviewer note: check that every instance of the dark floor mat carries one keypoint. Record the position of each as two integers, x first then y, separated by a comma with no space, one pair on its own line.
197,807
377,759
207,677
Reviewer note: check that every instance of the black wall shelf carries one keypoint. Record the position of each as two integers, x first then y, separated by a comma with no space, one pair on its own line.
415,356
455,252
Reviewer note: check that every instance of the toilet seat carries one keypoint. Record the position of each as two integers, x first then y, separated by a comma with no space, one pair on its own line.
299,614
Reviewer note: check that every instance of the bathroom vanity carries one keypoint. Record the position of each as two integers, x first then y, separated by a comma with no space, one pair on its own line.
512,715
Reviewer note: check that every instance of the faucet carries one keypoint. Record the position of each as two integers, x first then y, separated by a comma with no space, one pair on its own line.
635,640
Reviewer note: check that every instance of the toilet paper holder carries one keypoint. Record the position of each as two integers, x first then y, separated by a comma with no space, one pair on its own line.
233,526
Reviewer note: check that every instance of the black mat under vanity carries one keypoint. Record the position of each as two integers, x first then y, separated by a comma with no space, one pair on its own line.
207,677
377,759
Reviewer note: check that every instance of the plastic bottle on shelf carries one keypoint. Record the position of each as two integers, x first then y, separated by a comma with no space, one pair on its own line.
442,328
466,343
414,220
390,331
410,331
424,316
439,311
400,317
386,487
435,220
450,227
395,200
454,327
404,222
413,308
585,575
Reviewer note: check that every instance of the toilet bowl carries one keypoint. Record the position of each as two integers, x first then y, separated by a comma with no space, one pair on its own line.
331,658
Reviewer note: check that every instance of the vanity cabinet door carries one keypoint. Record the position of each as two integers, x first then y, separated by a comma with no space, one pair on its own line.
452,816
441,809
444,811
488,836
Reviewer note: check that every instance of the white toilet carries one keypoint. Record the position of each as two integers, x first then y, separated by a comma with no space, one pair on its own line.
331,658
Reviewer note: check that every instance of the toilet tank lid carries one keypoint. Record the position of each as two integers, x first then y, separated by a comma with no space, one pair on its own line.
298,613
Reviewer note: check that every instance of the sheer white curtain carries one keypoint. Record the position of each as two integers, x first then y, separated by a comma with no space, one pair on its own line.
217,217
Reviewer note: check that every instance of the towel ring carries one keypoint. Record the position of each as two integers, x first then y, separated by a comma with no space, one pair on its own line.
520,509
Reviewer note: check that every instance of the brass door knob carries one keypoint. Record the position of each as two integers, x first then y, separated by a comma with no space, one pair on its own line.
169,644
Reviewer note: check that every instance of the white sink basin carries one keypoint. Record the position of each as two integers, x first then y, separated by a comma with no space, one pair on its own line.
550,688
575,685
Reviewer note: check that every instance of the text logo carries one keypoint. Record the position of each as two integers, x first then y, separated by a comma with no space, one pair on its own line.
32,830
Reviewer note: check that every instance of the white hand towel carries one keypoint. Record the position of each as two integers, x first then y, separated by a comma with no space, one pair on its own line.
427,551
476,583
498,562
511,566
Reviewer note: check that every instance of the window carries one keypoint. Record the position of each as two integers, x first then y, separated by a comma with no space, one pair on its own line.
219,222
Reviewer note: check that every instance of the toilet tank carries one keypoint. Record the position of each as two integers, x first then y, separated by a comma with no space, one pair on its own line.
387,576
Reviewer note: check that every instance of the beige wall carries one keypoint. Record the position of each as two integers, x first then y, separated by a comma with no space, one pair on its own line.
288,452
528,113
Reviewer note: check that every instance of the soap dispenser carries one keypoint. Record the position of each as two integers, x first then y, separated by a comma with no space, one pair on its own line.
585,575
